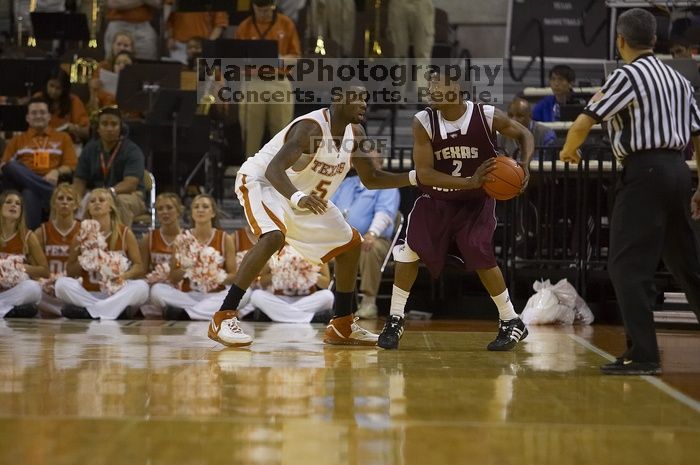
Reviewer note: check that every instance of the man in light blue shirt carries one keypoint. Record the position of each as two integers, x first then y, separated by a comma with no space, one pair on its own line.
373,214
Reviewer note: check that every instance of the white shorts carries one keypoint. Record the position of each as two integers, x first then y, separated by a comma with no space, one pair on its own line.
319,238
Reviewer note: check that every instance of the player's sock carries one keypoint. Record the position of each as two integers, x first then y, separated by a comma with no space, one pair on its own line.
342,303
505,306
398,301
233,298
369,299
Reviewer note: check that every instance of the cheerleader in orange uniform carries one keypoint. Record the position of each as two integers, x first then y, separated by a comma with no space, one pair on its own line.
55,237
19,299
194,304
86,300
157,246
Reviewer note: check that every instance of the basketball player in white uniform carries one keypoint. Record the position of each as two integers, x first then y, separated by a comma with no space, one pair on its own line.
284,190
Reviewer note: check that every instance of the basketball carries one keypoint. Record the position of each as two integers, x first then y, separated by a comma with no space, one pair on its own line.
508,179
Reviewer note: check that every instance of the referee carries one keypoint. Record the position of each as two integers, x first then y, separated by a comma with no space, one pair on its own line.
651,115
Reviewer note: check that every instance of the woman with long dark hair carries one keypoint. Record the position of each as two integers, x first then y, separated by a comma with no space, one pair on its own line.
68,112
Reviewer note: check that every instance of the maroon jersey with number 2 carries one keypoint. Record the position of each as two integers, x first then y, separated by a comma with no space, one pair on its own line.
449,220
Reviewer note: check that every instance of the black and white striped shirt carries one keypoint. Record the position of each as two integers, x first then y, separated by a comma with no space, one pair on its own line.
647,105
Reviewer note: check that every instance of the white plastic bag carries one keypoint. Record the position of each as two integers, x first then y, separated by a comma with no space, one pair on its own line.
556,304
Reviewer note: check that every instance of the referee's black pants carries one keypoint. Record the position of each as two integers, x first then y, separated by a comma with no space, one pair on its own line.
650,221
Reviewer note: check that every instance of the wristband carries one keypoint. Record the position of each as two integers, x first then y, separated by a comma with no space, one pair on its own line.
413,178
296,197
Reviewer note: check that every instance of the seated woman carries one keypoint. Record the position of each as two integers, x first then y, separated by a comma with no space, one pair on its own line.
19,299
122,42
55,237
86,300
99,97
157,245
67,110
187,302
292,290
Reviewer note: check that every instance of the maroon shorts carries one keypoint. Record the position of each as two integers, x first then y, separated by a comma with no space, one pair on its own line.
436,227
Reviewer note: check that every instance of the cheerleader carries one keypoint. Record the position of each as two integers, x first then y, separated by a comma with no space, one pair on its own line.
292,290
157,246
186,302
55,237
86,300
19,293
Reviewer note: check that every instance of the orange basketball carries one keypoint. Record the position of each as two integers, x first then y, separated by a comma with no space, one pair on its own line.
508,179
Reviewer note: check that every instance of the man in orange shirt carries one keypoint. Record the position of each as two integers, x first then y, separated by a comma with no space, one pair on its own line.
33,161
185,25
267,24
134,17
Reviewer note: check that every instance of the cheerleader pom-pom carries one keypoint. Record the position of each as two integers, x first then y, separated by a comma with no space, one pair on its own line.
12,271
160,274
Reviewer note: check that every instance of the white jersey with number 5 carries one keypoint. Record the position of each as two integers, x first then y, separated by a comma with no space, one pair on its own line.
326,168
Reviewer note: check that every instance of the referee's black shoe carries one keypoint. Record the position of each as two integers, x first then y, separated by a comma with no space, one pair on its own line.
392,332
625,366
509,334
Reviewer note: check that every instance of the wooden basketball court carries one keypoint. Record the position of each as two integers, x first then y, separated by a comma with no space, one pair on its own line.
143,392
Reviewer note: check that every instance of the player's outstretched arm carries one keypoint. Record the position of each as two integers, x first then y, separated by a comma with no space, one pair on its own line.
427,174
371,177
299,140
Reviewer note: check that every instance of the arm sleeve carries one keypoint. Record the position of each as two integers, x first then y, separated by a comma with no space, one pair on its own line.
10,150
136,165
615,95
78,114
694,117
69,158
82,171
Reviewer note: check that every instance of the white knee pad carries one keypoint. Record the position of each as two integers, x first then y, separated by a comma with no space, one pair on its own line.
403,253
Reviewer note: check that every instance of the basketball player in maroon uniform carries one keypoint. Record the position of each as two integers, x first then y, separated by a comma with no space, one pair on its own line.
454,148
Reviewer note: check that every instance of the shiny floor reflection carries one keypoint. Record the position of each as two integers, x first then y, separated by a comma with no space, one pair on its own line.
161,393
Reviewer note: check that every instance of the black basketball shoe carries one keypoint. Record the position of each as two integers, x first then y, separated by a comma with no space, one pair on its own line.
22,311
392,332
509,334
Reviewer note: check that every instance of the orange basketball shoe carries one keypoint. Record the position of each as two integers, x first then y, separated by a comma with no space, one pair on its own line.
224,328
344,330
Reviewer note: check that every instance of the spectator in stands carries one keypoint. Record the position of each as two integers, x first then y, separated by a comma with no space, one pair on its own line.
680,48
157,245
114,162
412,23
292,8
55,238
134,17
99,97
334,22
185,302
194,51
85,299
266,23
122,42
292,290
67,110
16,239
34,160
521,111
183,26
561,81
373,214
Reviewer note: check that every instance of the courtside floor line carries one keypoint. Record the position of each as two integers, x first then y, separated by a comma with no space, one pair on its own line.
653,380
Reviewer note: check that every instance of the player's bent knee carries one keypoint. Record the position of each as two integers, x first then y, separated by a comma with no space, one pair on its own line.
403,253
273,238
